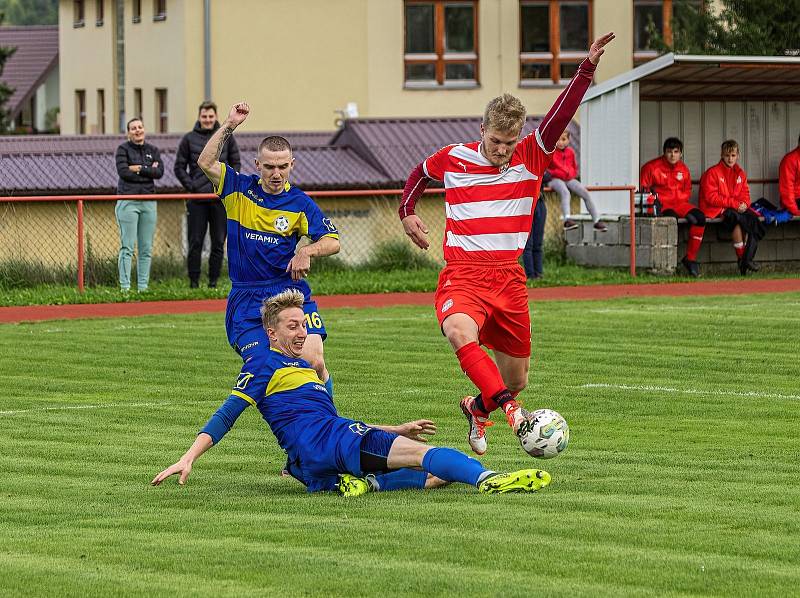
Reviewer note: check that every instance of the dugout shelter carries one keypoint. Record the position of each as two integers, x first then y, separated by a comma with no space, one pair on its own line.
703,100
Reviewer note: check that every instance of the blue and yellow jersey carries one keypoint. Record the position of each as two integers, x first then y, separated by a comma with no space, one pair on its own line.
298,409
264,229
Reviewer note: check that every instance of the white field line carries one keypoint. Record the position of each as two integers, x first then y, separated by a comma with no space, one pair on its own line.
105,406
696,391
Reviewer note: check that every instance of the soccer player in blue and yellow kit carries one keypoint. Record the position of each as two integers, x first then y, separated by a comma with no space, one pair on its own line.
267,217
327,451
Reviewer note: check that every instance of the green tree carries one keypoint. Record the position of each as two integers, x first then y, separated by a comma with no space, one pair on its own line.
5,90
30,12
737,28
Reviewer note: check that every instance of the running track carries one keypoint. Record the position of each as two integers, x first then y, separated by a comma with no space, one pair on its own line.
678,289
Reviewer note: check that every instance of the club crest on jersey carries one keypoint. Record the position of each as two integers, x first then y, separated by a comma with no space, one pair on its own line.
281,224
243,380
738,180
679,176
447,305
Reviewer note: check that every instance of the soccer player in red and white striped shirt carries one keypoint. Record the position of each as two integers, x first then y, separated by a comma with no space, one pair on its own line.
491,187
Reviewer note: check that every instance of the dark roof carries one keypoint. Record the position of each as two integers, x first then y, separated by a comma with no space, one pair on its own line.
395,146
364,154
28,67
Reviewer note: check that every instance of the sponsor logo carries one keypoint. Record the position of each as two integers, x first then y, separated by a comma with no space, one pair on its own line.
243,380
320,387
149,156
447,284
281,224
326,222
447,305
269,240
292,364
253,195
462,165
359,428
250,346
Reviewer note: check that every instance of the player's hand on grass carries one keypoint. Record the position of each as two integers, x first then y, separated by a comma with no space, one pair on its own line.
417,430
300,265
415,228
182,467
598,47
238,113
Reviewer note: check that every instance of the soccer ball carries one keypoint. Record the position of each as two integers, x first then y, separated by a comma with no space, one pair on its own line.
543,433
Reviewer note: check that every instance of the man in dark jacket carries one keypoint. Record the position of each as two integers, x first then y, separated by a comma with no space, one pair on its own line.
204,214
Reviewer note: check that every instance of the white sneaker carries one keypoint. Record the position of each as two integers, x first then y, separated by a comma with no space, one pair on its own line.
477,427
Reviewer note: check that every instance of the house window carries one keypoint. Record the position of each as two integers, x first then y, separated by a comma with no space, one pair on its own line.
80,111
99,12
159,10
101,111
137,102
441,43
78,13
161,110
136,11
554,38
661,13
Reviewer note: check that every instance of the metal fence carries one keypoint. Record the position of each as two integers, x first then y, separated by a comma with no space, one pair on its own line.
75,239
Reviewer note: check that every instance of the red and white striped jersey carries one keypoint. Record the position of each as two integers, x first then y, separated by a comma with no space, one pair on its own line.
489,209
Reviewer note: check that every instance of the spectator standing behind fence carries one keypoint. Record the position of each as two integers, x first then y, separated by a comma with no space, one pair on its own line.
533,254
204,214
789,181
724,193
564,170
138,165
669,179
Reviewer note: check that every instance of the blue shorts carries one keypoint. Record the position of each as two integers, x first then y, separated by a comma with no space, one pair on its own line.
353,448
243,314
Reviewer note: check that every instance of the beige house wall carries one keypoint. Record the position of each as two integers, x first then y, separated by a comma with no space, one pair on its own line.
86,61
296,63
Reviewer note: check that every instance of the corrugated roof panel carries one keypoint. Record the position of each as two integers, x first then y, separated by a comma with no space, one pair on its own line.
37,53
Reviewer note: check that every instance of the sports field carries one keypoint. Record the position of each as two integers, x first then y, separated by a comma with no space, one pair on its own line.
681,477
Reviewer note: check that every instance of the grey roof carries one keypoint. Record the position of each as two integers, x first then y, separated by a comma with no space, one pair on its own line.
364,154
28,67
688,77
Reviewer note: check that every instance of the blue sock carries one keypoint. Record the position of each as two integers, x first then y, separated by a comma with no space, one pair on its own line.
401,479
329,385
452,466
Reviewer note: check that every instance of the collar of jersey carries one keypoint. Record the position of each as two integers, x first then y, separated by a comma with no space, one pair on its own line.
286,187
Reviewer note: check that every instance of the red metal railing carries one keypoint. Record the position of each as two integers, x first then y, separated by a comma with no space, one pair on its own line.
80,199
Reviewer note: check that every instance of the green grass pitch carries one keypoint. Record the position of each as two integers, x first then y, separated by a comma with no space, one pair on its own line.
681,478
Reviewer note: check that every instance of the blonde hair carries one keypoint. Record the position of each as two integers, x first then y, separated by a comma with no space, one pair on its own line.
504,113
273,306
729,146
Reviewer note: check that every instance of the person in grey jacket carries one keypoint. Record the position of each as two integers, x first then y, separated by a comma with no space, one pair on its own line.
204,214
138,165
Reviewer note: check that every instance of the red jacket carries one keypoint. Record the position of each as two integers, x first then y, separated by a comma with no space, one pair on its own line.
789,181
672,182
722,187
563,165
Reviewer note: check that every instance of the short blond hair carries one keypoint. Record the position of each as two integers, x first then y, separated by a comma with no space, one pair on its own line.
505,113
729,146
273,306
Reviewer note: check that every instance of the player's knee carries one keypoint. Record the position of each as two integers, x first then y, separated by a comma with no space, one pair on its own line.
517,384
433,482
696,218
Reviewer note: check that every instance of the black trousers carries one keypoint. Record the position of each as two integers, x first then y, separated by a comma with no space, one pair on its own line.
205,215
750,224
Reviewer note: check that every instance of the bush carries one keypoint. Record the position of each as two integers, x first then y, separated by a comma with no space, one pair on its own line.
398,255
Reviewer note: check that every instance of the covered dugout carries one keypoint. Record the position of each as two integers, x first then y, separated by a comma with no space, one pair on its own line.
703,100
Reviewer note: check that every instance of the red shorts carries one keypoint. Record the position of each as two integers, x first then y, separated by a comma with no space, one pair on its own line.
680,208
495,297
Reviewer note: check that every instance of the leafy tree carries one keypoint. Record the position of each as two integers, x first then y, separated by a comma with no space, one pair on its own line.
5,90
30,12
738,28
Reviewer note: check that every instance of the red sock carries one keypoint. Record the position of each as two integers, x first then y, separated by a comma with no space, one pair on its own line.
739,248
483,372
693,244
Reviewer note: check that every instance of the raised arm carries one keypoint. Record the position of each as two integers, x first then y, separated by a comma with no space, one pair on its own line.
557,119
208,161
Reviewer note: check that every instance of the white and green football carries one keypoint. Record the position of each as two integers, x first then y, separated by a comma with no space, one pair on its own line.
543,433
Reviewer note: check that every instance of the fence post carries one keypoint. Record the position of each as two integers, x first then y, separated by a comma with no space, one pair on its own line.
80,246
633,231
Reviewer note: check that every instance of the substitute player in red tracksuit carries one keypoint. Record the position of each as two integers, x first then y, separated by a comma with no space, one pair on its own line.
789,181
491,187
668,178
724,193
